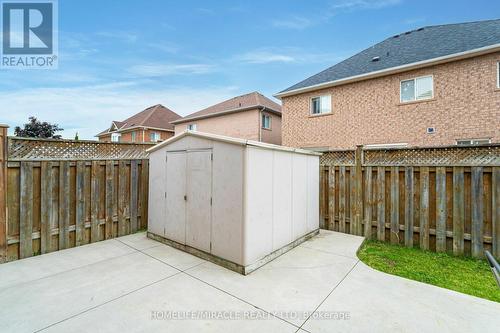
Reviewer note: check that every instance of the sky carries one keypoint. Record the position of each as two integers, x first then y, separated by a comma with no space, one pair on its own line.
118,57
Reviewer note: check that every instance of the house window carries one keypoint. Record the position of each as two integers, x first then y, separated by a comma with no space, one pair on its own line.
266,121
154,137
191,127
417,89
133,136
498,74
115,137
321,104
472,142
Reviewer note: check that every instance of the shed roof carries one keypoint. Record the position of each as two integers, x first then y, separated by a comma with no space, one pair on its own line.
228,139
411,47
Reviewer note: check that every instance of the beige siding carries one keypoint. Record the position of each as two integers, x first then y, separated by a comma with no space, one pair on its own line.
274,134
466,105
243,125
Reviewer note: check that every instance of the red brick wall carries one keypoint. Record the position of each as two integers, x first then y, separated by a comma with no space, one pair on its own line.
466,105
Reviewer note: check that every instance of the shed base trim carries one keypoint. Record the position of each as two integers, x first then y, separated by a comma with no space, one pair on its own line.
245,270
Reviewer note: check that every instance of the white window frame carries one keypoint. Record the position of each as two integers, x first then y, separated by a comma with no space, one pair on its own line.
311,105
471,141
264,116
498,74
415,89
191,127
115,137
154,136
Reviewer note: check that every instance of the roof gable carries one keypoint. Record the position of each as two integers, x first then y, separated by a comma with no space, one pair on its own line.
156,116
410,47
235,104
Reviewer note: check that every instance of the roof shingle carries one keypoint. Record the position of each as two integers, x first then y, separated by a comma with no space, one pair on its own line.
239,103
410,47
156,116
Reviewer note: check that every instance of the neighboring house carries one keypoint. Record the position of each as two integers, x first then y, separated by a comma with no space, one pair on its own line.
252,116
151,125
437,85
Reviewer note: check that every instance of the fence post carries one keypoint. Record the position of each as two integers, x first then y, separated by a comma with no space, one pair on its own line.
358,199
3,193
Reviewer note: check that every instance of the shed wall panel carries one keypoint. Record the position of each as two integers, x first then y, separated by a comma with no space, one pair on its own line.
312,176
282,199
227,208
157,183
299,188
259,209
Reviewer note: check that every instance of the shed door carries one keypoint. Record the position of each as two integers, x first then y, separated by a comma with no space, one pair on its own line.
175,224
199,196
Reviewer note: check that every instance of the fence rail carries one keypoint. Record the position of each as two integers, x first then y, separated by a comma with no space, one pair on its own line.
436,203
30,149
60,194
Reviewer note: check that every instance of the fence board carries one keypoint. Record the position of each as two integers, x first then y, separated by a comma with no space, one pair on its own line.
108,230
441,215
3,193
495,216
395,205
358,185
145,194
342,193
26,211
63,205
458,210
122,174
94,210
381,203
409,207
46,212
80,204
477,212
424,208
331,198
322,206
353,227
368,205
134,182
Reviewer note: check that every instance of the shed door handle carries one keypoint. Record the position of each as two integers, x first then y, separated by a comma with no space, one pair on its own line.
185,197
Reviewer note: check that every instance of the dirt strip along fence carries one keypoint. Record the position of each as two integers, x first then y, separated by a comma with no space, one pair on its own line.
59,194
443,199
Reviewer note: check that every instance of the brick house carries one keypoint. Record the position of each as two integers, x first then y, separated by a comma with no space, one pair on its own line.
251,116
437,85
150,125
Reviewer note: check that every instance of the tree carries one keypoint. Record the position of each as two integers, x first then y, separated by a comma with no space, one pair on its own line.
37,129
76,136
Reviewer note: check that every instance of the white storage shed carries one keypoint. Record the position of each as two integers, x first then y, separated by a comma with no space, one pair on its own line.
235,202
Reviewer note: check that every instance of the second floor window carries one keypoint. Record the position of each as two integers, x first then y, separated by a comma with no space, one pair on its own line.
191,127
498,74
321,104
417,89
115,137
133,136
154,137
266,121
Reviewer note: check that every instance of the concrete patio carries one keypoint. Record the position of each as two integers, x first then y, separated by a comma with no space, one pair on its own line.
133,284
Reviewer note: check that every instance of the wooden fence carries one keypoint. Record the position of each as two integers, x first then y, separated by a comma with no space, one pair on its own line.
54,204
440,199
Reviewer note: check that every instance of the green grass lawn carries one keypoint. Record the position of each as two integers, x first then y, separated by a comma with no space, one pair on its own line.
466,275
